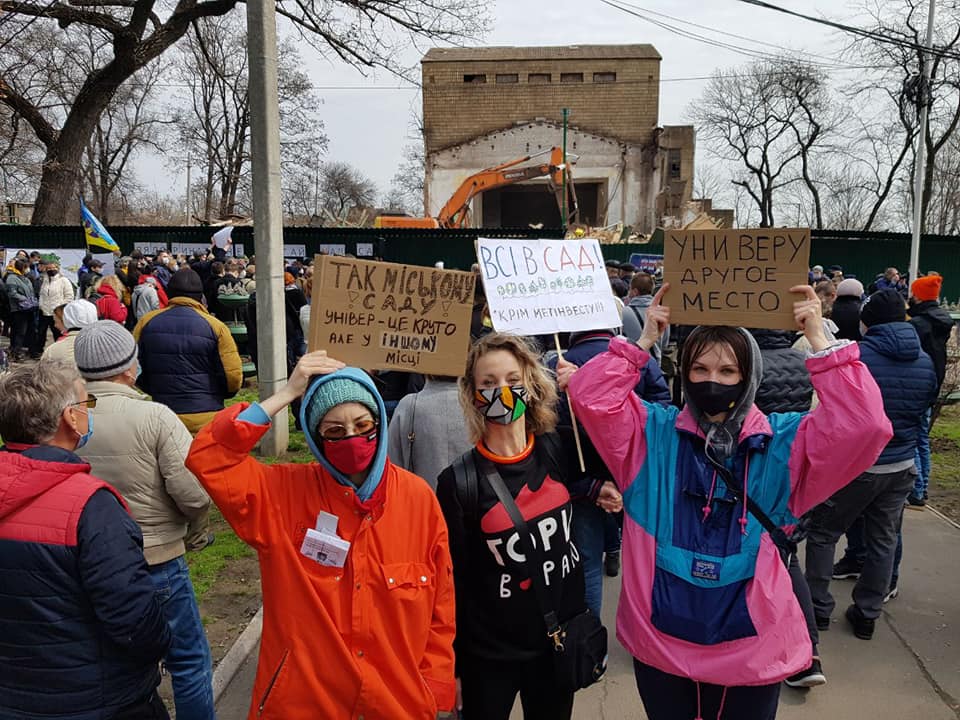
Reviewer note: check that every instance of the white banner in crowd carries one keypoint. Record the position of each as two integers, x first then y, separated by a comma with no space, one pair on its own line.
540,287
70,259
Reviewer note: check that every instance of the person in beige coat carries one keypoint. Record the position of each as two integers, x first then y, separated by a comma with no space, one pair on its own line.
55,290
74,316
139,447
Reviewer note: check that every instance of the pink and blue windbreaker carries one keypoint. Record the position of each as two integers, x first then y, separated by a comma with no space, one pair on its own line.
705,594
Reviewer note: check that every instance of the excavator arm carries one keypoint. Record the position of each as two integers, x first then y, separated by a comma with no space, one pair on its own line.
456,212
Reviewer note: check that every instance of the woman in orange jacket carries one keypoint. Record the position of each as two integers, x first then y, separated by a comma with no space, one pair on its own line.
355,565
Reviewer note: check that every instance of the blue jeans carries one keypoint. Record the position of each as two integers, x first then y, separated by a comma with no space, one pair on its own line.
588,535
188,660
922,456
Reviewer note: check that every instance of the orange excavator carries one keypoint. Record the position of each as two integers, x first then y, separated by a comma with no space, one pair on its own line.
456,212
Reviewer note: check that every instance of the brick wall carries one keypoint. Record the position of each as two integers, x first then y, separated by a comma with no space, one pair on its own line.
455,111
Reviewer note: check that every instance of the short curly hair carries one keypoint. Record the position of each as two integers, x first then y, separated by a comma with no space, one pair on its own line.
541,415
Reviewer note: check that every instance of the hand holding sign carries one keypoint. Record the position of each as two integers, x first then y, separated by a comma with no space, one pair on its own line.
809,316
657,322
565,371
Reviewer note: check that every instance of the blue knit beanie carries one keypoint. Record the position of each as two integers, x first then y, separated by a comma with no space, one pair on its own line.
335,392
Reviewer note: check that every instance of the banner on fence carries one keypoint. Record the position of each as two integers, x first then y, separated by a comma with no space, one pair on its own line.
541,287
735,277
386,316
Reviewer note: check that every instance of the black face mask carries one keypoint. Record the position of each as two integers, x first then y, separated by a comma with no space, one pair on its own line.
713,398
52,273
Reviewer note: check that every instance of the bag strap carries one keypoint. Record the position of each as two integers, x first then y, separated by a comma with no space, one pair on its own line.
467,485
779,537
412,435
536,578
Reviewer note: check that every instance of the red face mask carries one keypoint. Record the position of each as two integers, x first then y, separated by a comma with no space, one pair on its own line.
352,454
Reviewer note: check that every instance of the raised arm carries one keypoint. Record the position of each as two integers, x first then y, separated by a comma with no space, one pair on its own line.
604,400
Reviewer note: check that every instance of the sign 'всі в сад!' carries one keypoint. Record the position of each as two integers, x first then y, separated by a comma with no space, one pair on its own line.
735,277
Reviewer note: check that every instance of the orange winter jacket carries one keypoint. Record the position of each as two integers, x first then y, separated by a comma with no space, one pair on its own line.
370,641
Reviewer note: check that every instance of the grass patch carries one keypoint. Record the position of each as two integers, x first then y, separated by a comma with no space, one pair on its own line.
206,565
945,442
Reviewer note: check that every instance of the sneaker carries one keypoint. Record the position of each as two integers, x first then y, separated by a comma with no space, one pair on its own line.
862,627
611,564
846,569
892,593
925,498
811,677
915,503
823,623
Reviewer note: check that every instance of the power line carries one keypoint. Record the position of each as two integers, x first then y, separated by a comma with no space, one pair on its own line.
832,61
748,52
862,32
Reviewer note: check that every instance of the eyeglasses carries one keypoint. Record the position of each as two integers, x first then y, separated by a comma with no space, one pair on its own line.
340,432
90,402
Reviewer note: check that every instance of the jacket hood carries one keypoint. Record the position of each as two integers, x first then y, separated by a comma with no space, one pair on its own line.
375,472
896,340
931,310
641,301
27,475
107,291
773,339
723,437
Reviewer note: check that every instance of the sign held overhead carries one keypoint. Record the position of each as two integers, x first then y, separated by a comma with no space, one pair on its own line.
386,316
541,287
735,277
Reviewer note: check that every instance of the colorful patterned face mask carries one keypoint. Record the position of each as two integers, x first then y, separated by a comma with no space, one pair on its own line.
502,405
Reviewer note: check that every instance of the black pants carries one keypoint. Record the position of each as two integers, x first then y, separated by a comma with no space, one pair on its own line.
47,322
490,688
668,697
21,337
150,709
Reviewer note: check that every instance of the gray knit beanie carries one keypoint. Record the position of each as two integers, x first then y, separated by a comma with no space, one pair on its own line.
104,350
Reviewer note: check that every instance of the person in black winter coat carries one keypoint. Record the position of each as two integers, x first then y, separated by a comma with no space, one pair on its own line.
934,325
846,310
82,628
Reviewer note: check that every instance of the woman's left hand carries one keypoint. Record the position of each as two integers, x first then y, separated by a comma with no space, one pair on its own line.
565,371
809,316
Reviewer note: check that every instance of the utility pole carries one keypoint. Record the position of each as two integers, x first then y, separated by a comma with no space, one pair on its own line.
563,203
267,214
189,159
920,170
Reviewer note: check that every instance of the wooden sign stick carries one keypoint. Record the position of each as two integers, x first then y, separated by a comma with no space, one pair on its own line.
573,419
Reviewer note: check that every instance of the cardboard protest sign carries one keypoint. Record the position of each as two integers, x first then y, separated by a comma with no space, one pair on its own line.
386,316
735,277
541,287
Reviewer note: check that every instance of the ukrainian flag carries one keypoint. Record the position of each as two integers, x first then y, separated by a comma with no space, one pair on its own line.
97,235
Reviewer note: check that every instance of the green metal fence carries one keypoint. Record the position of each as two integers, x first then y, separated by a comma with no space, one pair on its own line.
860,254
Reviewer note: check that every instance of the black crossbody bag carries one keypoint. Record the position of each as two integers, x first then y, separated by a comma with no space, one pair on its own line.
580,644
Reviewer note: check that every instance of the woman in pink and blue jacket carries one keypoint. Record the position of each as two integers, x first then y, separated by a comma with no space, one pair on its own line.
708,610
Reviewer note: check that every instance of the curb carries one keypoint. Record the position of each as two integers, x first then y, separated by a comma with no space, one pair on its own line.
236,656
940,515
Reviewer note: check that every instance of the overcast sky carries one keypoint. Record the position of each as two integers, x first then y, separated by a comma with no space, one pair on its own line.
368,127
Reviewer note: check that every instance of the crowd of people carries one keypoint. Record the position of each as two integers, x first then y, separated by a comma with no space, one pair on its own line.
445,553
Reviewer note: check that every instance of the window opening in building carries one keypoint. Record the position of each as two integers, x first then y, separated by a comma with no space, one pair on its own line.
604,77
538,78
571,77
507,78
475,78
673,159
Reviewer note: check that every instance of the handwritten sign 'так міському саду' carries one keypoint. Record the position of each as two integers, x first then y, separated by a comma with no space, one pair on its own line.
541,287
386,316
735,277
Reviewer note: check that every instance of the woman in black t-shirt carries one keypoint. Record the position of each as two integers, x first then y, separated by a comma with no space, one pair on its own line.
502,646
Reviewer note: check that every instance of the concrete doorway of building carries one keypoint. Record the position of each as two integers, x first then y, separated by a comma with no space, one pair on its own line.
523,205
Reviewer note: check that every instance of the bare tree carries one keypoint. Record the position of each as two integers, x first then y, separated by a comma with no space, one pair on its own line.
407,186
366,34
216,127
894,86
759,116
344,188
20,158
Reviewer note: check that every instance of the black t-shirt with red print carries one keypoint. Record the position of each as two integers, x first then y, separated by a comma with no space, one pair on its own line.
498,616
